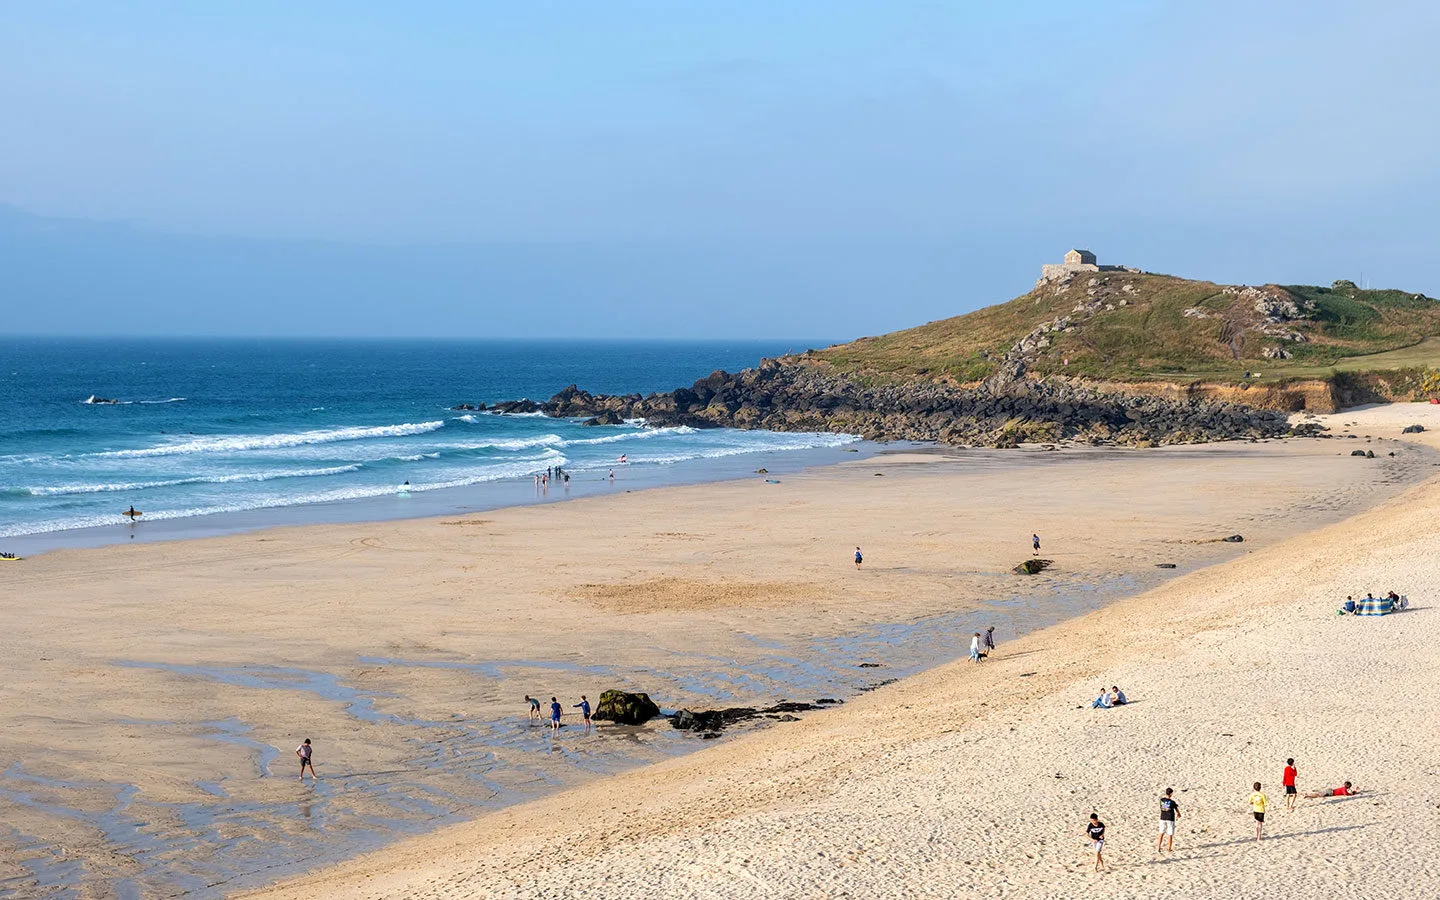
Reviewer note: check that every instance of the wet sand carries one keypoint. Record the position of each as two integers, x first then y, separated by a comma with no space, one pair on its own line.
154,693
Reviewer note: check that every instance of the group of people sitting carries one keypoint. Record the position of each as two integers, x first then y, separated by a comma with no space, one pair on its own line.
1110,698
1351,606
8,556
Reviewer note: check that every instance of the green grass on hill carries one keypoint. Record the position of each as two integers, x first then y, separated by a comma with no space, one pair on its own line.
1135,327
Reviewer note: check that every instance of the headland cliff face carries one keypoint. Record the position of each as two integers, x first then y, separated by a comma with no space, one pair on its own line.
796,394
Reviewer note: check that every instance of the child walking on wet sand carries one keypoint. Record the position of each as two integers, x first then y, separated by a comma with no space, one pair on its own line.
584,707
307,759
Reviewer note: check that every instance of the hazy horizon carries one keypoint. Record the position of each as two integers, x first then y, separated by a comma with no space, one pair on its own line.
652,171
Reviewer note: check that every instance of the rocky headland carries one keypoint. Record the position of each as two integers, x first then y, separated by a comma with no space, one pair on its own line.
798,394
1093,354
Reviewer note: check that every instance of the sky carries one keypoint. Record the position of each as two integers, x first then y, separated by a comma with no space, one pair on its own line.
705,169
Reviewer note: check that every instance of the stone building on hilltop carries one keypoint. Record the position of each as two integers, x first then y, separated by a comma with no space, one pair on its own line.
1076,261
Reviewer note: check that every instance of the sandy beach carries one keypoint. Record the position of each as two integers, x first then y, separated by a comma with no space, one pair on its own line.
167,684
971,781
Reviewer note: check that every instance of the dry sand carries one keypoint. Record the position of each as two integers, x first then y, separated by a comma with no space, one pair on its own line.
943,783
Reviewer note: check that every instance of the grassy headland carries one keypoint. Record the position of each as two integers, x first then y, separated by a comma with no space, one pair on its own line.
1139,327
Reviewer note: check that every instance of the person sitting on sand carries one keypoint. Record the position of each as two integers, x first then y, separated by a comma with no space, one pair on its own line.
1117,696
1349,607
1345,790
1102,701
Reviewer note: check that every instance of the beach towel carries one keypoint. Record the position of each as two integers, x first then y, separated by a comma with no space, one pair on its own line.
1374,606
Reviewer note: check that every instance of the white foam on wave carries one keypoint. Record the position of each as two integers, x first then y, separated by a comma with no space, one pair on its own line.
514,469
467,418
244,442
235,478
751,442
631,436
171,400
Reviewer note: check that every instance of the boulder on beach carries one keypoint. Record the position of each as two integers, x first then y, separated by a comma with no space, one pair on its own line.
1033,566
625,708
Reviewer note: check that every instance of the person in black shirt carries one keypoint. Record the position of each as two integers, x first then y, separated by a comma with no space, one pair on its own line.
1169,812
1096,832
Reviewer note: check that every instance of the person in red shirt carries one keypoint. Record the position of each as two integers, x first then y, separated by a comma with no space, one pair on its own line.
1344,790
1289,781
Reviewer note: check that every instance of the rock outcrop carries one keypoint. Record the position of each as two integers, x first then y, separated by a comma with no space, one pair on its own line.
625,708
795,394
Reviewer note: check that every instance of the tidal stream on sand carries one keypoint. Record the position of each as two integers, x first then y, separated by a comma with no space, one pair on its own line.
239,835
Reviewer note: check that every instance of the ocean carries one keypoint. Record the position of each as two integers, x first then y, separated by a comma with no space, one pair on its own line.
207,436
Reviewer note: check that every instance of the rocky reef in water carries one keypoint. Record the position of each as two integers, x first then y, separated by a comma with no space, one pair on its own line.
798,395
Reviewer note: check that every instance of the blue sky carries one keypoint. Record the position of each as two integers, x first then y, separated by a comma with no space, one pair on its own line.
691,169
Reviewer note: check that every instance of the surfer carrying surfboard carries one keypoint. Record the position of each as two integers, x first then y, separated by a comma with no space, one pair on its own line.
132,513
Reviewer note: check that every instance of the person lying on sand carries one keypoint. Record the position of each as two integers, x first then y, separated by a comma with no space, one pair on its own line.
1345,790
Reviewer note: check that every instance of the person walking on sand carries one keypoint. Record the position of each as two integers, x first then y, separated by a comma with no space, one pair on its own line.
1035,542
1288,780
859,557
534,708
554,714
1169,812
1258,802
975,654
1095,831
584,707
307,759
990,639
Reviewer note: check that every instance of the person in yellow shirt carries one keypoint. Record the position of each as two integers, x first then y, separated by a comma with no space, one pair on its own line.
1258,802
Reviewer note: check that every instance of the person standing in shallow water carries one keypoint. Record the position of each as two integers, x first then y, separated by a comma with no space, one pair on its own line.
584,707
555,713
307,759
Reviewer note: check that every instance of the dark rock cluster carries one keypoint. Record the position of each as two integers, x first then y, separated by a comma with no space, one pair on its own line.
625,708
713,720
1002,412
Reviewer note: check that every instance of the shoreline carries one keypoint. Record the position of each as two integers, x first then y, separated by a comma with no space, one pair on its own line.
421,674
869,801
481,497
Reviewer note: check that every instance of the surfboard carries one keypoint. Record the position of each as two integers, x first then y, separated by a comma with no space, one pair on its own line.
132,514
11,558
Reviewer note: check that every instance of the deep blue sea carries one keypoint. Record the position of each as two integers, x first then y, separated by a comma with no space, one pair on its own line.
206,428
